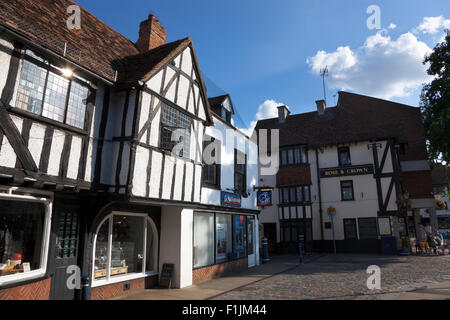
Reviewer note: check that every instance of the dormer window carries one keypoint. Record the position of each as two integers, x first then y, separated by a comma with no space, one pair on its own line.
43,90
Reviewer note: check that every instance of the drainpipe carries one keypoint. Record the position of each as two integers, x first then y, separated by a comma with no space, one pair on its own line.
320,195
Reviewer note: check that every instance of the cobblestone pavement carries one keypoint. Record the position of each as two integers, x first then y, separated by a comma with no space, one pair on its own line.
344,277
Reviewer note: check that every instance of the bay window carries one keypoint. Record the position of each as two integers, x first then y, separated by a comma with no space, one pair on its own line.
125,245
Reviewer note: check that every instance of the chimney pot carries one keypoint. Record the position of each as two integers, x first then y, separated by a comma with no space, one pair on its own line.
321,106
283,113
151,34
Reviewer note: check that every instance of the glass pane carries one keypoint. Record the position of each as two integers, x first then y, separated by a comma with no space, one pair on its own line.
203,239
344,156
306,193
55,97
297,155
152,250
250,235
101,252
292,194
239,236
21,231
299,194
127,252
76,108
291,156
304,155
285,195
350,229
283,157
31,87
223,237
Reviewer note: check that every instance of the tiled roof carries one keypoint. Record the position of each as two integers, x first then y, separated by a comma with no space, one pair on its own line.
95,46
356,118
142,66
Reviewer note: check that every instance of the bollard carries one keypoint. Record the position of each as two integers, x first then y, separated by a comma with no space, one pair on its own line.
265,249
85,288
301,246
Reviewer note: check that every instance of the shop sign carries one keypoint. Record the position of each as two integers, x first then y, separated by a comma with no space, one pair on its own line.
264,198
230,199
346,171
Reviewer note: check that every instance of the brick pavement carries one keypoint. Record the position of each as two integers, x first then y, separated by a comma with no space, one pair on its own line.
344,277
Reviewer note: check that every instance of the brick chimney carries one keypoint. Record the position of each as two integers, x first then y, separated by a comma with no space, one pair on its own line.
283,113
321,106
151,34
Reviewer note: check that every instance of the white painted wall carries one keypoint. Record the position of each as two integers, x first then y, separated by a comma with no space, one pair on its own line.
228,136
176,243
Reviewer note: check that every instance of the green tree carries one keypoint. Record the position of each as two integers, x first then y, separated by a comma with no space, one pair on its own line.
435,102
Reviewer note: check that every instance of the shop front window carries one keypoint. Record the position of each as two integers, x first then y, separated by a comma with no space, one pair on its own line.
203,239
239,236
22,239
223,237
126,244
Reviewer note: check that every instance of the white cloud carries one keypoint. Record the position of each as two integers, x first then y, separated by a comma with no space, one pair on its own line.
432,25
392,26
381,67
266,110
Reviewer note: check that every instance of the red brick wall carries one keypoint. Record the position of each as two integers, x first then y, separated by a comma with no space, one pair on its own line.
295,176
218,270
116,289
39,290
418,184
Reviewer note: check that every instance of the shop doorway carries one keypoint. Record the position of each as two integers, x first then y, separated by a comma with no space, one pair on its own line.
251,234
66,229
270,232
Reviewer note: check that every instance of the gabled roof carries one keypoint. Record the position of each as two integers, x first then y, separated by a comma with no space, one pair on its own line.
95,46
219,100
142,66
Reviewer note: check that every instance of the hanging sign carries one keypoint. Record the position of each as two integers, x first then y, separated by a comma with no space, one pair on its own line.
264,198
331,211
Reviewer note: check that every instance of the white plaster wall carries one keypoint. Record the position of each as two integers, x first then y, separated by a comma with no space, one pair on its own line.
155,175
36,141
228,136
155,82
55,152
176,243
183,89
169,165
5,58
74,158
187,61
177,191
188,182
139,178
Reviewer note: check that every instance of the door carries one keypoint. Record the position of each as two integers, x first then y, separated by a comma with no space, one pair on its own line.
251,241
270,232
66,229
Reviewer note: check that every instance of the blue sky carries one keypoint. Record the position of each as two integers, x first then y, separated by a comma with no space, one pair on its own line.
258,51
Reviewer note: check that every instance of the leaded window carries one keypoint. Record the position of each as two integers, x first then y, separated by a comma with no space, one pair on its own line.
175,131
43,90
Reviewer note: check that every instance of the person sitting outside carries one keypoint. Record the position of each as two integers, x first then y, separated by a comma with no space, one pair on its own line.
438,242
447,241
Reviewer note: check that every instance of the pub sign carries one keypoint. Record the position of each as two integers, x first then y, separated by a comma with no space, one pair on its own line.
346,171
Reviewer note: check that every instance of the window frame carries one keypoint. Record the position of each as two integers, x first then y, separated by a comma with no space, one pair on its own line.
302,153
137,275
341,150
342,190
355,228
218,168
47,65
215,213
295,200
162,126
243,191
47,200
